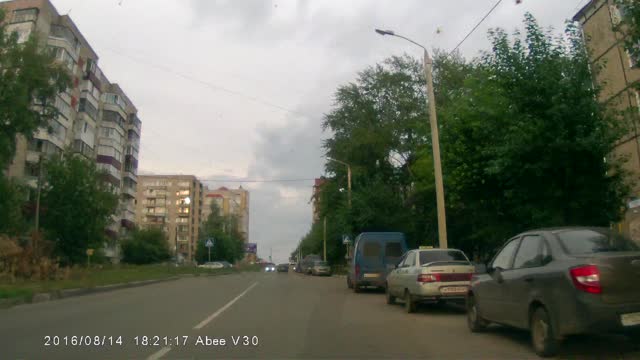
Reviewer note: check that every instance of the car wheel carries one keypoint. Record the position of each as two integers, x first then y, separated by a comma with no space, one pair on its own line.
390,298
409,303
475,322
542,333
349,284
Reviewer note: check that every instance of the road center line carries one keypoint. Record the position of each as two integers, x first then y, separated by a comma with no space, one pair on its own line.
160,353
222,309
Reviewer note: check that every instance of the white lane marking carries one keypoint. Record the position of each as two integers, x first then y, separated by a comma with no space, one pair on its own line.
222,309
160,353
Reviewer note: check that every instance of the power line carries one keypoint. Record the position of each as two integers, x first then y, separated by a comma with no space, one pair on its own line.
256,180
210,85
475,27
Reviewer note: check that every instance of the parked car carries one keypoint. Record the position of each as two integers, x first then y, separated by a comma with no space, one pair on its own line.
307,263
321,268
375,255
211,265
269,267
559,282
298,268
226,264
282,268
429,275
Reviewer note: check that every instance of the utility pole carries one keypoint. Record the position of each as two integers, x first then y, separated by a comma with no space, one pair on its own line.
435,141
435,138
270,253
38,192
325,238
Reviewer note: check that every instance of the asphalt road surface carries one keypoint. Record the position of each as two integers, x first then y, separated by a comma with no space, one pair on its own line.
265,316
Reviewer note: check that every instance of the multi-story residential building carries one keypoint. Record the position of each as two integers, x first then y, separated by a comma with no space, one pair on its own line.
96,119
230,202
618,75
315,198
173,204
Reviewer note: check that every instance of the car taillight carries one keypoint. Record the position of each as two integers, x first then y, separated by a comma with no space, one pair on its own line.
586,278
428,278
357,271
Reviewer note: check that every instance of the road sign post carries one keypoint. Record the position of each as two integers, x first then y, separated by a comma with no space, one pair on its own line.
89,253
209,244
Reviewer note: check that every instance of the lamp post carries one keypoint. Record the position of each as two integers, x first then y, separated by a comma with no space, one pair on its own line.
348,178
435,138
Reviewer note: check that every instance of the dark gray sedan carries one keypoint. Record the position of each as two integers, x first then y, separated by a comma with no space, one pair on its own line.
559,282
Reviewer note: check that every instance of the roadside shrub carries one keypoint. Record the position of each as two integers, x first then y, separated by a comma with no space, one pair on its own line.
145,246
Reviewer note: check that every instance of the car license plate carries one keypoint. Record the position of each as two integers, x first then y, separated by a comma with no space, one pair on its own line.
630,319
371,275
453,290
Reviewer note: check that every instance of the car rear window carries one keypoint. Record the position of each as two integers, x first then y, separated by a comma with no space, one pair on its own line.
393,249
321,263
442,255
371,249
578,242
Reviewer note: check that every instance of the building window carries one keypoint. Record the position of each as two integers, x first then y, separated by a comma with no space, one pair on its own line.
182,193
57,130
63,108
113,116
109,151
88,108
115,99
23,15
183,210
63,56
62,32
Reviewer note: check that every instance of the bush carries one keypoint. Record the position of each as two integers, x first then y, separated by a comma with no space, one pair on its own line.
145,247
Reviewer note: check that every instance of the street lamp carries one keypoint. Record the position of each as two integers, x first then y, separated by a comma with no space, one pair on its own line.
435,138
348,178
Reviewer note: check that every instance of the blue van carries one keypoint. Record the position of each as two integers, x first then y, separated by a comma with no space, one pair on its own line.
375,255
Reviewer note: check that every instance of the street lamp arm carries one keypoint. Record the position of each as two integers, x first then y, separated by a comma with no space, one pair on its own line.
391,33
338,161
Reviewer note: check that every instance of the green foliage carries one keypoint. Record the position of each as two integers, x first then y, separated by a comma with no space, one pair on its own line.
11,201
77,206
522,139
228,242
28,73
145,246
630,27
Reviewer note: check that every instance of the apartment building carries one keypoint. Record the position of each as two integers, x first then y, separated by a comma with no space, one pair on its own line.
618,75
96,118
230,202
315,198
173,204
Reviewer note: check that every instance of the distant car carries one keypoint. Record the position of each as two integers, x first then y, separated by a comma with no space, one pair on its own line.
307,263
269,267
429,275
321,268
282,268
211,265
559,282
297,268
226,264
375,255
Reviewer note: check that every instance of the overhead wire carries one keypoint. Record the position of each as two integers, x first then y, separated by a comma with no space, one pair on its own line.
476,26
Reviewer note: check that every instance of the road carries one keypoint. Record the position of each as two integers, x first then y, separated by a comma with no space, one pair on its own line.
289,316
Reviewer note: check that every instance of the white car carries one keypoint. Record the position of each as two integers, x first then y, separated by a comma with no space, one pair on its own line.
429,275
211,265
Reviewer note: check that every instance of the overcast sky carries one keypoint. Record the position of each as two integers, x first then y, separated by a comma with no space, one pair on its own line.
236,89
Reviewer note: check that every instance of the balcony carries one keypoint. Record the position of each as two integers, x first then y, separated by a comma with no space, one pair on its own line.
129,190
80,147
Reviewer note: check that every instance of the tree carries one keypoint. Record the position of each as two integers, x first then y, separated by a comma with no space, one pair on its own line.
525,142
13,196
228,242
77,206
146,246
27,73
630,27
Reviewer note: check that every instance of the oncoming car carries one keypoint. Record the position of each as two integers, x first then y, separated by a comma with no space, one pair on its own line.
429,275
269,267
